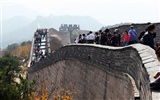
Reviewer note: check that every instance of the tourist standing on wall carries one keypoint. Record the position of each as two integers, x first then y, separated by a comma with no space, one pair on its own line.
126,37
43,33
97,38
133,34
109,39
79,39
83,38
114,40
39,38
148,39
104,37
90,38
118,36
140,38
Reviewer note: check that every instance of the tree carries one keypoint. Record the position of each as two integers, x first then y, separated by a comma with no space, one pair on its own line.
11,61
15,91
23,43
9,92
9,88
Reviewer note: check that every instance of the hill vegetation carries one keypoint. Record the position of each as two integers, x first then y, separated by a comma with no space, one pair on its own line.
21,50
9,71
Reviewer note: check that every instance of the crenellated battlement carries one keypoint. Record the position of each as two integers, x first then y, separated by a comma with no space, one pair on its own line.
69,27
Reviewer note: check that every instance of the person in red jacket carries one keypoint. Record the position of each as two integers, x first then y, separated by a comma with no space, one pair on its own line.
126,37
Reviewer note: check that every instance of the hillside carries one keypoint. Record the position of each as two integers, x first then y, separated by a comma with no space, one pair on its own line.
19,29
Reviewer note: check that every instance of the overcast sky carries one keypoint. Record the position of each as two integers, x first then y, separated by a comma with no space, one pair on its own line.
107,12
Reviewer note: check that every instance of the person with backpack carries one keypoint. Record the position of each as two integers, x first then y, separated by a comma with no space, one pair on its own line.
133,34
148,39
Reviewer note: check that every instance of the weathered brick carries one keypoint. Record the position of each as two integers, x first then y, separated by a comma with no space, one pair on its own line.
85,67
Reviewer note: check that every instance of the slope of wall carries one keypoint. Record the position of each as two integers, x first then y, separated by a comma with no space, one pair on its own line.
96,71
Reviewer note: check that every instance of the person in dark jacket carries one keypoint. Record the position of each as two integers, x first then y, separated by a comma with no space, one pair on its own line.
118,36
148,39
114,40
84,38
104,37
141,35
97,38
102,42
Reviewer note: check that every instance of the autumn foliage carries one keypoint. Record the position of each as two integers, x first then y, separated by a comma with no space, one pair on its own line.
22,51
42,93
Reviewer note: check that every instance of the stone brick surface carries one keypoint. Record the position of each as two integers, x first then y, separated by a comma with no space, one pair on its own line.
97,72
65,36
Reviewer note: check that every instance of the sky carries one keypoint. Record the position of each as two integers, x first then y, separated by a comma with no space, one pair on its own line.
108,12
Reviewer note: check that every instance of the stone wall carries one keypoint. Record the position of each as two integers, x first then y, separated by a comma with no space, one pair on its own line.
65,36
90,82
97,72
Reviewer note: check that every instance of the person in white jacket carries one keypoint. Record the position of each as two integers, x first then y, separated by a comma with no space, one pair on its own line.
90,38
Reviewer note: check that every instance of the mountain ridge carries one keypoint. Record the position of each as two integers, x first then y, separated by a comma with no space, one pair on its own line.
17,29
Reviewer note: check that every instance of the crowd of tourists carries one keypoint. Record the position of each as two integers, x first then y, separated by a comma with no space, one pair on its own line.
146,37
116,38
107,38
38,53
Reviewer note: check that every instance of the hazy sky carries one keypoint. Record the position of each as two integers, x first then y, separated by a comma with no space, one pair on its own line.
107,12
